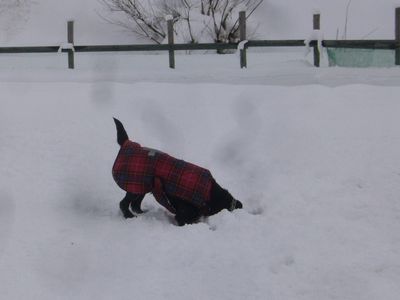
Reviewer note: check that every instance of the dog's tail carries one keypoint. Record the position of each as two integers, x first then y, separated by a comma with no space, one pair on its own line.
122,136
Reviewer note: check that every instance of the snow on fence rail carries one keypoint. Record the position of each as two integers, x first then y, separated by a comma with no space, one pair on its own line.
315,42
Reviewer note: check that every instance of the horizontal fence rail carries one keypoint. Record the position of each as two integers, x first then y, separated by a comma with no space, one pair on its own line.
355,44
152,47
156,47
361,44
29,49
276,43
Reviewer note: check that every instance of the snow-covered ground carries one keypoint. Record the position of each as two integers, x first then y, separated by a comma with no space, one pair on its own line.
312,153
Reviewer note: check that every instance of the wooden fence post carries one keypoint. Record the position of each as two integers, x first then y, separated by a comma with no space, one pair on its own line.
170,24
397,37
242,33
316,26
70,30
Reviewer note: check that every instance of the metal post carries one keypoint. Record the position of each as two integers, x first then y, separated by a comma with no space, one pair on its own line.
397,37
71,61
242,30
170,23
316,26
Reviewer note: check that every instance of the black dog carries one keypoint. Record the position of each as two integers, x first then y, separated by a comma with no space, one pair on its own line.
186,190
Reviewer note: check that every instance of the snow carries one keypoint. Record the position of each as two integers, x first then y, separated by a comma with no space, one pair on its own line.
66,46
315,35
242,44
312,154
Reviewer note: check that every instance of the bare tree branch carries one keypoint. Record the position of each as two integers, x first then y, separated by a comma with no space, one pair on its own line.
146,18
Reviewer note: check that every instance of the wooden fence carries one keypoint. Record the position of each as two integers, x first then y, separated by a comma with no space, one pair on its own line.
242,46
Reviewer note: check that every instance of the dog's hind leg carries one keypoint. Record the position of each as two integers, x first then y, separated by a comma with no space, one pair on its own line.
124,207
133,201
136,202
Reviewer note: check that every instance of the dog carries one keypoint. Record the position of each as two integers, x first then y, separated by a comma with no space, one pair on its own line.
186,190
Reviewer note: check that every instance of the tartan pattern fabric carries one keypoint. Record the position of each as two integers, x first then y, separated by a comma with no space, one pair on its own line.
160,196
184,180
135,169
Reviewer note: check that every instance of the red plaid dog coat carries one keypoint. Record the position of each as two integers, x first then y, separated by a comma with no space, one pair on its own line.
136,168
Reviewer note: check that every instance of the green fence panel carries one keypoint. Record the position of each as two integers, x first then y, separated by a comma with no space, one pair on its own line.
361,58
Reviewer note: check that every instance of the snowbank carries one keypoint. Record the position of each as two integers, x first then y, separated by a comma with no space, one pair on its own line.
316,167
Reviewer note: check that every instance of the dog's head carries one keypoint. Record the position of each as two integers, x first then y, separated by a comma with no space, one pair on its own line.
235,204
222,199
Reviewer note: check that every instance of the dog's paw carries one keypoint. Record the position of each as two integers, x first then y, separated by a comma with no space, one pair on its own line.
125,210
127,214
138,210
180,221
